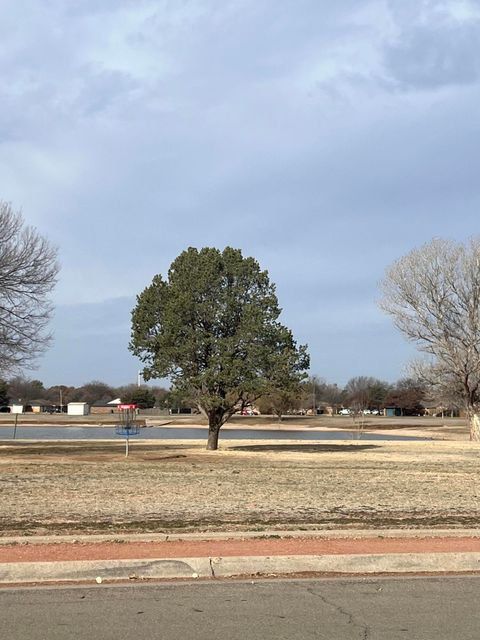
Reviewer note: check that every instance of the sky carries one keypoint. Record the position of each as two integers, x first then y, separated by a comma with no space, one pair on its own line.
326,139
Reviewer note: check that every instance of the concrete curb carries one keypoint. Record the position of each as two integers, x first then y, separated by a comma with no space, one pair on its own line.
90,570
360,564
243,535
100,570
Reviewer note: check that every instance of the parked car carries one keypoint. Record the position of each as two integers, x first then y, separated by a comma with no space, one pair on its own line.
344,412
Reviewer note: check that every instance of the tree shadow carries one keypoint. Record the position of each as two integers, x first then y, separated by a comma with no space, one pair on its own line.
19,448
305,448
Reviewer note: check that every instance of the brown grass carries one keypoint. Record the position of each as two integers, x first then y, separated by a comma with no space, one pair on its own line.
74,487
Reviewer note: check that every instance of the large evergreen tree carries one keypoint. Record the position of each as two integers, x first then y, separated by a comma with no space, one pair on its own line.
143,397
212,327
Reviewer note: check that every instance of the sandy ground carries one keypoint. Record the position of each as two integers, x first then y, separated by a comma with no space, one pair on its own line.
91,487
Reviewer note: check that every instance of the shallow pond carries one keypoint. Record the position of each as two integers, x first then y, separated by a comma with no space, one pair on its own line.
195,433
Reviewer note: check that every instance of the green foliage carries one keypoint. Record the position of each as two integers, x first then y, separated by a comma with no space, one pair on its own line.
212,327
143,397
177,401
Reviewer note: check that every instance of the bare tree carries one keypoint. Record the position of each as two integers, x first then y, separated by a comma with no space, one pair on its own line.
408,395
28,272
365,392
279,402
316,390
433,296
26,390
94,391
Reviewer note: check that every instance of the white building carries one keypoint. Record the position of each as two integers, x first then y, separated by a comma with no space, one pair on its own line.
77,409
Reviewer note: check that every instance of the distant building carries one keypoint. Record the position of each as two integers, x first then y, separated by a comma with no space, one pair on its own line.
392,412
105,407
77,409
42,406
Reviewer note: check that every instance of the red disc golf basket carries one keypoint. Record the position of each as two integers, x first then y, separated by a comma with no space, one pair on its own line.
128,425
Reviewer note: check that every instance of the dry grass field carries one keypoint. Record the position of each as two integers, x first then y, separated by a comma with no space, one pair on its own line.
176,486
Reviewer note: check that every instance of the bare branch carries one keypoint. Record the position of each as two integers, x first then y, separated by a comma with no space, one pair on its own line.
28,273
433,297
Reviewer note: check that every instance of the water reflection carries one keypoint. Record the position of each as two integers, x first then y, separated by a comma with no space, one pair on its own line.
196,433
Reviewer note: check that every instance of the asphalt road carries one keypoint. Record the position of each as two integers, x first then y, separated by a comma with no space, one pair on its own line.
434,608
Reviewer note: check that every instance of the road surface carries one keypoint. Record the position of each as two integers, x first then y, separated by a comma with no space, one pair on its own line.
435,608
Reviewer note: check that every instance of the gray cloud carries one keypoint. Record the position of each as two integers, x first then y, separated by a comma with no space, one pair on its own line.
131,130
429,58
434,43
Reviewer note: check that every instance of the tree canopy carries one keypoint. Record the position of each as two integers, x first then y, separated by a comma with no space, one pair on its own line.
212,327
433,296
143,397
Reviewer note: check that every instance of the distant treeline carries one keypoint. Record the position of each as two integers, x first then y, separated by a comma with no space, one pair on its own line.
360,393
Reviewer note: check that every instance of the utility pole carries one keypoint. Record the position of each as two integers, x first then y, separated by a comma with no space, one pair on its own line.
139,378
314,399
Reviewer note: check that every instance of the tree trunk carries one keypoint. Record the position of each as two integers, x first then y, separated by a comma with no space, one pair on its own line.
212,442
215,421
475,427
